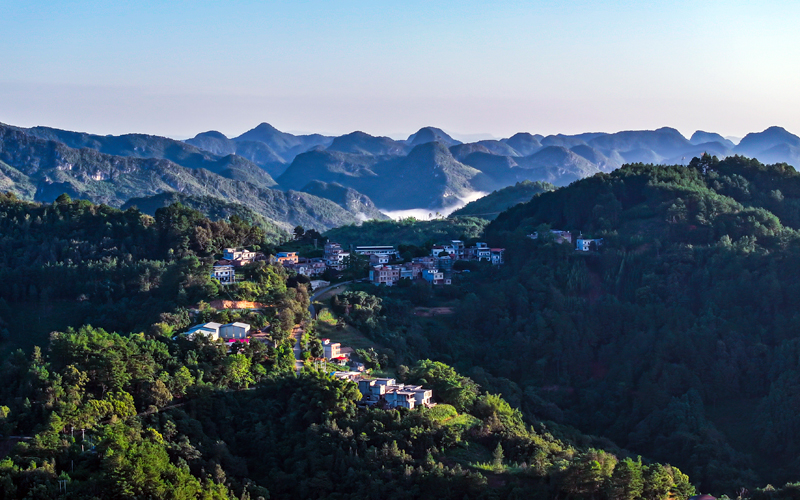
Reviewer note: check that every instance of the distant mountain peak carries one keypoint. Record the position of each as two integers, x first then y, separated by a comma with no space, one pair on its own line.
754,143
430,148
524,143
702,137
670,130
431,134
264,127
359,142
211,134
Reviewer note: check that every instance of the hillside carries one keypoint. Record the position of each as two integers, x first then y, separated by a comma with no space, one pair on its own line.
524,143
431,134
491,205
443,179
54,168
665,141
351,200
150,146
329,167
700,137
687,310
257,152
212,208
283,143
557,165
408,231
753,144
133,407
360,143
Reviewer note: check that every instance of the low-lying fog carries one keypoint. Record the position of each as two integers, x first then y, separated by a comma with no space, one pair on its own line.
430,213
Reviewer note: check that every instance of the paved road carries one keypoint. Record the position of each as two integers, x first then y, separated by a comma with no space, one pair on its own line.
322,291
297,333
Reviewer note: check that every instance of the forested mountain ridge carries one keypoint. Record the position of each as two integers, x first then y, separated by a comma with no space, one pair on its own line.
496,202
677,335
155,414
150,146
380,169
42,169
213,208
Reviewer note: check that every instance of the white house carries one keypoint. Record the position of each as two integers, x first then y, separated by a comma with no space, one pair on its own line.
378,259
497,255
434,277
210,330
385,250
335,256
331,350
216,331
234,331
586,245
456,248
239,256
482,252
392,394
223,271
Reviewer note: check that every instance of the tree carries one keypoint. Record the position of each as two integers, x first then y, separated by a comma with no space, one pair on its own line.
237,371
497,457
298,232
626,482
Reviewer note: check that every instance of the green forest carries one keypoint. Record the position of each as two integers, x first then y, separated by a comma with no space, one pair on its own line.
408,231
676,340
130,408
661,365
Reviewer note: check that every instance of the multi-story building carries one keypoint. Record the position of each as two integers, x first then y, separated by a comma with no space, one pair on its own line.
332,350
286,258
335,257
385,250
456,249
388,392
434,277
224,271
240,256
481,252
378,259
384,275
308,267
497,255
429,262
588,244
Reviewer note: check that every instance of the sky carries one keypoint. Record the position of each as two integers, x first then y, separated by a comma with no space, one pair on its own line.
389,68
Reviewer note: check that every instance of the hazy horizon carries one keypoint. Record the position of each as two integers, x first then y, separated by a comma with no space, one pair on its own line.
467,67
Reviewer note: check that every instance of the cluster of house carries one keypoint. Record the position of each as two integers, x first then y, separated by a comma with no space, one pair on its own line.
581,244
224,270
386,392
435,268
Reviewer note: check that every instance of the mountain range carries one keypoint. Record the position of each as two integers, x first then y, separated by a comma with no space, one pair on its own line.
321,181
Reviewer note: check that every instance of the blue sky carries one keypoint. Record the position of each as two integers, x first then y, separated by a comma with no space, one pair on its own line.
389,68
